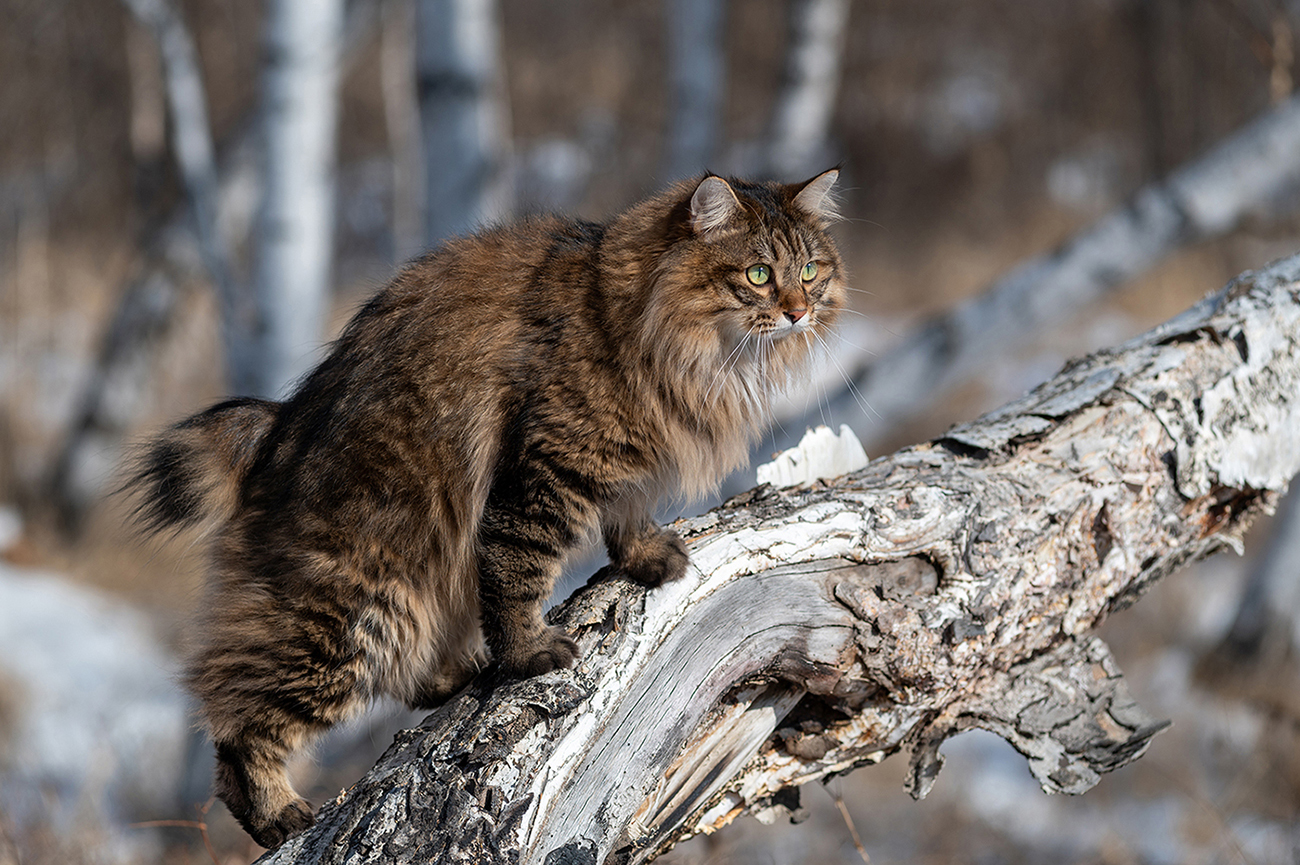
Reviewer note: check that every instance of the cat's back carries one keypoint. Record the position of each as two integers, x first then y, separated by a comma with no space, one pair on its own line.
475,297
427,371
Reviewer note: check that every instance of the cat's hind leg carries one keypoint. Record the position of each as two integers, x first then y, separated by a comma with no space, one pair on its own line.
461,660
251,779
272,677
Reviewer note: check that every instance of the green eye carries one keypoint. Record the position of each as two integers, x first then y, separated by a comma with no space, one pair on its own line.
759,274
809,272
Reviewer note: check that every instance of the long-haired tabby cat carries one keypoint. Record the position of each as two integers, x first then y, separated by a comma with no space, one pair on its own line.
505,396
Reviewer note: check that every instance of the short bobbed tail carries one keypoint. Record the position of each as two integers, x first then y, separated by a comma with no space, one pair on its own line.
190,475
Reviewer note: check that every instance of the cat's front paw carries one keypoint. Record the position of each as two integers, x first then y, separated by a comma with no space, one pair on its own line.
552,650
659,559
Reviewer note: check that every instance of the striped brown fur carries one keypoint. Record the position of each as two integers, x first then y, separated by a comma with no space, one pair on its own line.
504,397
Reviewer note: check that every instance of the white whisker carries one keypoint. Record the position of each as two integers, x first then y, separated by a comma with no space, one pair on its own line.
720,378
850,344
819,393
844,310
853,389
769,414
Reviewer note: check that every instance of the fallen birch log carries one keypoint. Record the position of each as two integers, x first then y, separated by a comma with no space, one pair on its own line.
827,627
1244,174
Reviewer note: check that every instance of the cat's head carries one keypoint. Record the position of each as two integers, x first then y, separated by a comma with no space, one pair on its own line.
753,265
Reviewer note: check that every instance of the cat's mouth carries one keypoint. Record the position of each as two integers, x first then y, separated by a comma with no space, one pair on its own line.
784,327
750,338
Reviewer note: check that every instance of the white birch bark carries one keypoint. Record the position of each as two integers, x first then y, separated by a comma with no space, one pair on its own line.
827,627
464,116
117,388
196,159
801,121
402,117
1208,197
294,251
697,74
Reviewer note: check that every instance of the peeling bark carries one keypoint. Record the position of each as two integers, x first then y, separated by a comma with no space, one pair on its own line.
826,627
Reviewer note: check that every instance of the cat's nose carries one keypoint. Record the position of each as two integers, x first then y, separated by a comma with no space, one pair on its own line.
795,314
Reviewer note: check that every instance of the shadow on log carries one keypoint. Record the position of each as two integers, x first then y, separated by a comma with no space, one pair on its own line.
826,627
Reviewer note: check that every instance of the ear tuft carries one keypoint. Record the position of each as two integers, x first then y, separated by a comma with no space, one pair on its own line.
815,196
713,205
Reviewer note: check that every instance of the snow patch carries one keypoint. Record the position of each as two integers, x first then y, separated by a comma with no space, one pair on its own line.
820,454
100,722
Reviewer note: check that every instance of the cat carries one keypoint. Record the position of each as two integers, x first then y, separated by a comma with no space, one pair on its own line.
504,397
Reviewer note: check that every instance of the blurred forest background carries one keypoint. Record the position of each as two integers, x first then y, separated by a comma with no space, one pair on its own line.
164,243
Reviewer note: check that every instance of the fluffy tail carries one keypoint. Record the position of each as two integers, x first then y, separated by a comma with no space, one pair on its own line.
191,474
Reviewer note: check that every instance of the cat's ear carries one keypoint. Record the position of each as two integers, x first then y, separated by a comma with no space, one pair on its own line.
713,205
815,196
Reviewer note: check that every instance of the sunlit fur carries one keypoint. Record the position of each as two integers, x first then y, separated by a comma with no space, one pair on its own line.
503,397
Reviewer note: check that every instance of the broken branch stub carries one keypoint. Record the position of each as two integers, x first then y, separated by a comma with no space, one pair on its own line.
826,627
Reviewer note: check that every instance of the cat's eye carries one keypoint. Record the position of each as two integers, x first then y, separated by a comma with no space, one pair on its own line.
759,274
809,272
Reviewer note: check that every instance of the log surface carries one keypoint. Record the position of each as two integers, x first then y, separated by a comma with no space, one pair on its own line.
826,627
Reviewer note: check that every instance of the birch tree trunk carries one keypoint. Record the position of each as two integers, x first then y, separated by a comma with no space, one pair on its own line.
402,118
464,116
194,242
1206,198
196,159
175,253
697,73
294,247
805,105
827,627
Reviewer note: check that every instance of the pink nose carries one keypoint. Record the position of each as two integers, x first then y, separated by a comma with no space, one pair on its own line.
795,314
